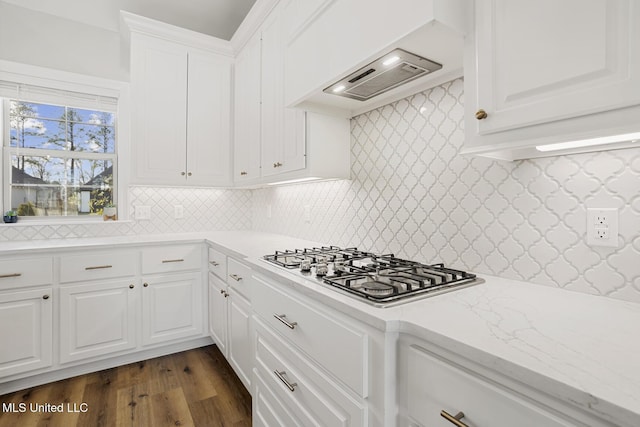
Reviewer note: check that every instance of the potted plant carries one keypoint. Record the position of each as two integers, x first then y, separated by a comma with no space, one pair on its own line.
10,216
110,213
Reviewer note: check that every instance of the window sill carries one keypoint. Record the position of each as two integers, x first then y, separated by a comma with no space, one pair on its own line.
29,223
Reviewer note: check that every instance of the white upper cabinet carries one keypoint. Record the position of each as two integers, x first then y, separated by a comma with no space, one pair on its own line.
273,143
247,113
282,128
547,71
181,98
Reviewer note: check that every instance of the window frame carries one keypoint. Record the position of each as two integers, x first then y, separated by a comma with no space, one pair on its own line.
23,74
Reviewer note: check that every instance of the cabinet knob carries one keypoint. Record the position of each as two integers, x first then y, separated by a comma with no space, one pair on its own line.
277,165
131,286
243,173
189,174
454,419
45,296
145,285
481,114
183,173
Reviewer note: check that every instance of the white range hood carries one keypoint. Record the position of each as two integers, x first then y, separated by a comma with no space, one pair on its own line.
333,50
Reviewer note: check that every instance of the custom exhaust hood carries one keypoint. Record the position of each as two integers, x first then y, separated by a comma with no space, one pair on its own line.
349,67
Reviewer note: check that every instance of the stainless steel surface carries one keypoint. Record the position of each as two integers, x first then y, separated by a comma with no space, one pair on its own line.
167,261
282,318
5,276
280,375
98,267
454,419
385,73
235,277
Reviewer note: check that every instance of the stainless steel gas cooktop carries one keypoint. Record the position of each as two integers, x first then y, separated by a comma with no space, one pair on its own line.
382,280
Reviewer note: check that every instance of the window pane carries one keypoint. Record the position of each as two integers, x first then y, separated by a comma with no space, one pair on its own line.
96,139
45,186
31,109
29,132
93,117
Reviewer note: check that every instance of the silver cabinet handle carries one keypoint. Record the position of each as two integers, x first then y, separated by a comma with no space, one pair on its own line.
225,293
215,264
5,276
132,286
454,419
166,261
281,317
45,296
289,385
235,277
98,267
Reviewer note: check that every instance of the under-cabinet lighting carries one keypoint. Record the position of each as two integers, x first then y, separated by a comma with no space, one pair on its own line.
294,181
339,88
391,60
633,137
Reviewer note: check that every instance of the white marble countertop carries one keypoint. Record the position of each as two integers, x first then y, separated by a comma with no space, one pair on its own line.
579,348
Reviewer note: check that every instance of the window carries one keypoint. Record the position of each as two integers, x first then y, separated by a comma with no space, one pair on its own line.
60,157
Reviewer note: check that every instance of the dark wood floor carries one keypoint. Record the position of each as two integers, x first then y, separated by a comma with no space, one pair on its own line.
192,388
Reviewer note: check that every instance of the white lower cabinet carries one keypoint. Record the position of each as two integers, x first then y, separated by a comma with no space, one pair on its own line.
432,391
171,307
97,319
311,364
240,349
218,312
26,342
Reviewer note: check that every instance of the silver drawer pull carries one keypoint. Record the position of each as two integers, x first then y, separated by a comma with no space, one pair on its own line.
235,277
454,419
98,267
289,385
215,264
166,261
5,276
281,317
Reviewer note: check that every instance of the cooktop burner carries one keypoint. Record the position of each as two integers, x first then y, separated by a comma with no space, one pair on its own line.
382,280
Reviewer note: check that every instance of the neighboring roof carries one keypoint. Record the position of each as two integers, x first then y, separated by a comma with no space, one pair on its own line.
21,177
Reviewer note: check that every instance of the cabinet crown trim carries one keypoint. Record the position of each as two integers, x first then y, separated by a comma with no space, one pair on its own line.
131,23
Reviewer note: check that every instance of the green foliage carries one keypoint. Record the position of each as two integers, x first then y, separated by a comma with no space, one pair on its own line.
26,209
10,213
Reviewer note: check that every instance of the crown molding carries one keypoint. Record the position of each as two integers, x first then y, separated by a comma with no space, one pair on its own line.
252,23
131,23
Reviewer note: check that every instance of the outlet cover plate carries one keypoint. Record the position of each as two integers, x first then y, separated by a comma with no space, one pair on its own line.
142,212
602,227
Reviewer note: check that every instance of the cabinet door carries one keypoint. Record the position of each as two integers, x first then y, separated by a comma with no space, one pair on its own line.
159,91
240,348
247,113
218,312
171,307
25,331
428,386
283,148
208,121
97,319
585,60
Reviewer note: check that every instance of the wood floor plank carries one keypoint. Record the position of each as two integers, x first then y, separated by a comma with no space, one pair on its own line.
193,388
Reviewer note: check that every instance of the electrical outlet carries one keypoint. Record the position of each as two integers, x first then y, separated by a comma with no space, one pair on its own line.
602,227
142,212
178,211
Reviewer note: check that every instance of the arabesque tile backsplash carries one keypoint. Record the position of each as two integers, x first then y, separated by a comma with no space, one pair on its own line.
413,194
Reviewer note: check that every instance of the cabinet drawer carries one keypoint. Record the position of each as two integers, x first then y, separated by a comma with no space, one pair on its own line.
166,259
102,265
327,338
435,386
268,410
16,273
239,277
310,395
218,263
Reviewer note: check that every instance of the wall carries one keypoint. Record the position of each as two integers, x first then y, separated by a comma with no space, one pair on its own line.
414,195
44,40
204,209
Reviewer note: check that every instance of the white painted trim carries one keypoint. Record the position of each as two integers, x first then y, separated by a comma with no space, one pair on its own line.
64,80
251,23
140,24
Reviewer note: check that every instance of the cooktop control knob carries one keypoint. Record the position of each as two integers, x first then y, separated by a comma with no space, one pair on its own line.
322,270
305,265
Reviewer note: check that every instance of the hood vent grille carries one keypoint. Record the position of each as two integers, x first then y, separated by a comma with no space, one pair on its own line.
390,71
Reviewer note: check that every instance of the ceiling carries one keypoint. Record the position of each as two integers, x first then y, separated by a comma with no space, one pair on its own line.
218,18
